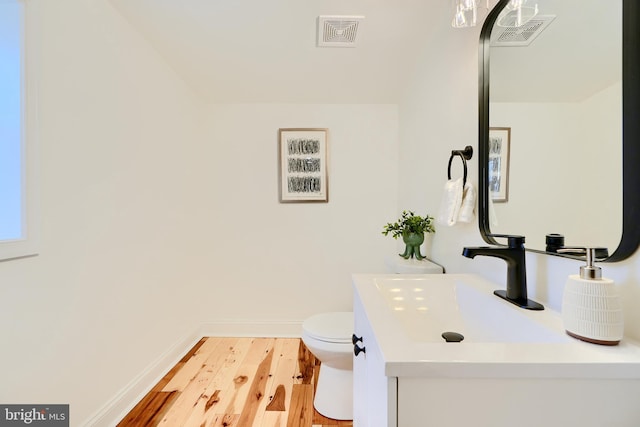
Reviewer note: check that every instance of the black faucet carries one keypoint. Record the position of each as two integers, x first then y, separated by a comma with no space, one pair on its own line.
513,254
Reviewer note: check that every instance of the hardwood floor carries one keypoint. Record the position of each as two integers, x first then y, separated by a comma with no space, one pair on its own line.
244,382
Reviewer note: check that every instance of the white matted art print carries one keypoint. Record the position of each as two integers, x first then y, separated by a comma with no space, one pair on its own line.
303,165
499,147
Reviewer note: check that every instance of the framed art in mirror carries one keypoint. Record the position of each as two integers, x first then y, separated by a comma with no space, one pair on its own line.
499,144
303,165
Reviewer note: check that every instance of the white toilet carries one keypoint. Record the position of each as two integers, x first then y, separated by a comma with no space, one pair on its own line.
328,338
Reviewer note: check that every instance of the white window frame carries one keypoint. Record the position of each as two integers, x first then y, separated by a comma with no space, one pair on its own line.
27,245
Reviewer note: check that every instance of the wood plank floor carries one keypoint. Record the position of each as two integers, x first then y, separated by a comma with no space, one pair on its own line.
243,382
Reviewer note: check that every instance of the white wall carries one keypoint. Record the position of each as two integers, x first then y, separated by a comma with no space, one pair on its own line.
104,296
439,113
160,215
292,259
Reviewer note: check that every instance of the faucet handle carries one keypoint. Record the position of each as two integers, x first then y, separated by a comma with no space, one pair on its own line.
513,241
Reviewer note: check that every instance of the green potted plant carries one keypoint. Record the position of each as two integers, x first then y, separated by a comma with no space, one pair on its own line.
412,228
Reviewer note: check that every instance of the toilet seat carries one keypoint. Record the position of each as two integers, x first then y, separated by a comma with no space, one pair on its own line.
330,327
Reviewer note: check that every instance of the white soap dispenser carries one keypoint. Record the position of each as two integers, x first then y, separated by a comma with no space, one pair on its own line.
591,307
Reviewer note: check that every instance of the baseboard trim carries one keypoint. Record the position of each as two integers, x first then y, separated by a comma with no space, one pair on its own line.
120,405
252,328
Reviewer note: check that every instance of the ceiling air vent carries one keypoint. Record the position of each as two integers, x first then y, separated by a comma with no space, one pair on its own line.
523,35
338,31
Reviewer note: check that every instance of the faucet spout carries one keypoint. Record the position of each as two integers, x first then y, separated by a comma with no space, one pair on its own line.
514,256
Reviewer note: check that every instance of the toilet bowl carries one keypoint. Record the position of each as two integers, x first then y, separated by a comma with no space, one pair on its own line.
328,338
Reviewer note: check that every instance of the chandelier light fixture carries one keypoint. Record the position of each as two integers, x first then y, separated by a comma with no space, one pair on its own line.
465,13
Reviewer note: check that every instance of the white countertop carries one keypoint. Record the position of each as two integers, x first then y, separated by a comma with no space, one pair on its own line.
501,339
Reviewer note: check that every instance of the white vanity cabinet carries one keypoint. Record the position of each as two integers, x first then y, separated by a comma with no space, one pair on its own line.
515,367
374,394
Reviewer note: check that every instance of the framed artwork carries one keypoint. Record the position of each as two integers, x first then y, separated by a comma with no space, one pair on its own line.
303,165
499,145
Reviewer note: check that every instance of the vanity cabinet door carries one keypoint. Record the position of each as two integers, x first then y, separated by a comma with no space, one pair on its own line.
374,394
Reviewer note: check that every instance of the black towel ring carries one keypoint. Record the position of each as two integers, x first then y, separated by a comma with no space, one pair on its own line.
465,155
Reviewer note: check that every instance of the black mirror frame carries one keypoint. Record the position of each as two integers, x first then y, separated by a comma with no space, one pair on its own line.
630,131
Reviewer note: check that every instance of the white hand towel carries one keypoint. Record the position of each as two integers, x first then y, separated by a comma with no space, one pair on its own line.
468,207
451,202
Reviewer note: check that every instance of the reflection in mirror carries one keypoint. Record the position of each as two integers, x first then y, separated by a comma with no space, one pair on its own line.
556,83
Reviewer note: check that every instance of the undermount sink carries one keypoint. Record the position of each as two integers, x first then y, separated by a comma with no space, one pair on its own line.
409,313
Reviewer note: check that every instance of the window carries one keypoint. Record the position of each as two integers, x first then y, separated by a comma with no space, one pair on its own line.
16,219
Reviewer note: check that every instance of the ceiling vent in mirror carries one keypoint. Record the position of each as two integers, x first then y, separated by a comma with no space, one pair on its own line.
338,31
520,36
